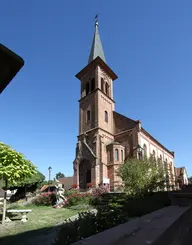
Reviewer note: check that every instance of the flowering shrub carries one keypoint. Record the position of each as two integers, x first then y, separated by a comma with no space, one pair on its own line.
89,185
76,197
45,199
74,186
70,192
100,191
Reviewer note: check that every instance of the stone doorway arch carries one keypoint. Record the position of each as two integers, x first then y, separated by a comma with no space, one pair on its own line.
84,174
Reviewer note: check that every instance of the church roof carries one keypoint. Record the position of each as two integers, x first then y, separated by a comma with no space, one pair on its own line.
156,141
96,48
123,123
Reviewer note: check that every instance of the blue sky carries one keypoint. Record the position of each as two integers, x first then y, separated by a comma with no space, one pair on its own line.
147,43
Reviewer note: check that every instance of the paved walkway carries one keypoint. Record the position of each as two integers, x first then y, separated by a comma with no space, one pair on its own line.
188,239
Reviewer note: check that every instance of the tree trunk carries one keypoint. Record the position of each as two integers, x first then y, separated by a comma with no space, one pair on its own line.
4,203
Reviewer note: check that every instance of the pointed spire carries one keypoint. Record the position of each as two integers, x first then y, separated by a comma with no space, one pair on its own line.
96,48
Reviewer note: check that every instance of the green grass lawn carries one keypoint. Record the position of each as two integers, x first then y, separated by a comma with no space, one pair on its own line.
40,220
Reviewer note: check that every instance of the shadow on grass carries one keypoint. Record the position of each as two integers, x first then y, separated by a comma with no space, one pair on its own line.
42,236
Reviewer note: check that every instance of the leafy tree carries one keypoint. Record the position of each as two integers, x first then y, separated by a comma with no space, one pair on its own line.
26,185
45,182
141,176
35,179
59,175
14,167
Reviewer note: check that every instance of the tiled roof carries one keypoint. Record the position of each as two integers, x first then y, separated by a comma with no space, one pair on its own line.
66,181
122,123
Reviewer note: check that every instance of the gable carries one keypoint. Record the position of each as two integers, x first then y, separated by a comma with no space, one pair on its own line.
122,123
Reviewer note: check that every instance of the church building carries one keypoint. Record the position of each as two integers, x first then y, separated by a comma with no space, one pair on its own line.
106,138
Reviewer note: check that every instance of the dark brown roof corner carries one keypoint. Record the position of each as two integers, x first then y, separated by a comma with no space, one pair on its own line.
10,64
9,53
120,115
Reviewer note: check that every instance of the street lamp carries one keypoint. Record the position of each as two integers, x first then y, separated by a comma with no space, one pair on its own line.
139,152
49,168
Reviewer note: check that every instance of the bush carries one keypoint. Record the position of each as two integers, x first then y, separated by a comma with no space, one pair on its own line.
45,199
112,210
73,231
133,206
99,191
70,192
77,198
74,186
97,195
87,225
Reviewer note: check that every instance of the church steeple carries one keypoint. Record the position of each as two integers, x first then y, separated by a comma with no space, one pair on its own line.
96,48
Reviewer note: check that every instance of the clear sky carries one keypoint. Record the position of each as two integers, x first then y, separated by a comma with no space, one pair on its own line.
147,43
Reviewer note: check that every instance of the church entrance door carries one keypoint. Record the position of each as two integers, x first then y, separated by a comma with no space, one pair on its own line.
84,174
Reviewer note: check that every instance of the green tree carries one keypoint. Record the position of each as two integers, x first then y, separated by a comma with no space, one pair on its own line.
27,185
141,176
14,167
59,175
35,179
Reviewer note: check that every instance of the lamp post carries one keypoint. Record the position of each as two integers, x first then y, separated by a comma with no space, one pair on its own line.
49,168
139,152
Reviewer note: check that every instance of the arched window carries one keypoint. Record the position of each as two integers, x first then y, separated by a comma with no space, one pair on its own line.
116,155
88,116
87,88
92,84
154,153
110,155
106,88
165,164
106,116
145,150
122,158
160,159
102,84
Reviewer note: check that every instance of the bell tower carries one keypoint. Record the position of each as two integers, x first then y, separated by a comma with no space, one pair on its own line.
96,106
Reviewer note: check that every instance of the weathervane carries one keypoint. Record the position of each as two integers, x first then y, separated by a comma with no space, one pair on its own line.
96,19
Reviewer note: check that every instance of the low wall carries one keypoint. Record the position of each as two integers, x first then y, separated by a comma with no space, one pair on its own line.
167,226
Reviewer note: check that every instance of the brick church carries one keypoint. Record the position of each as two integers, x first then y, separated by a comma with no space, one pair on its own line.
106,138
